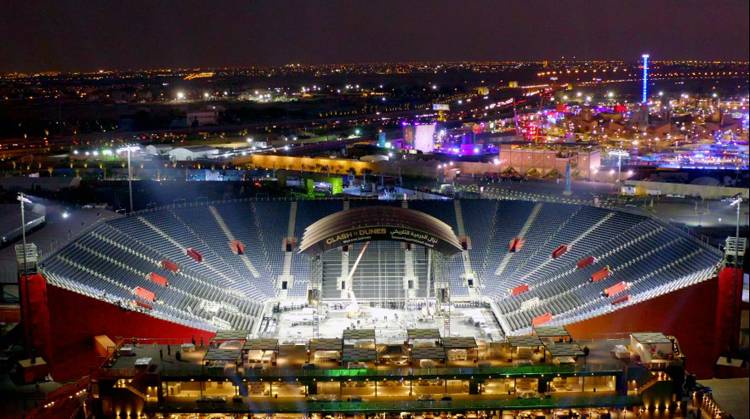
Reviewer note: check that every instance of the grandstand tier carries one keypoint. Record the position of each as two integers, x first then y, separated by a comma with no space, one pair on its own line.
215,266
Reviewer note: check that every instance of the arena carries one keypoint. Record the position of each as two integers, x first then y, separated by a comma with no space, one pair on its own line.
431,298
484,268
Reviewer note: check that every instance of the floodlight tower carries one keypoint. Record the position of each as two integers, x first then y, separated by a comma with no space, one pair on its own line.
129,149
23,200
737,201
644,88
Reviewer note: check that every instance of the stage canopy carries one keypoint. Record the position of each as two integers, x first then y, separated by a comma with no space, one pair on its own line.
379,223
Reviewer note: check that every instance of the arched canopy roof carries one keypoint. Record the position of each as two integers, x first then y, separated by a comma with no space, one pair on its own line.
379,223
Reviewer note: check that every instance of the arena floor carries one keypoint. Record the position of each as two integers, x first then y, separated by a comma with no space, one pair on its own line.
390,324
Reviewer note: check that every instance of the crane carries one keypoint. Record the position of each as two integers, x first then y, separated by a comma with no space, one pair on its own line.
353,309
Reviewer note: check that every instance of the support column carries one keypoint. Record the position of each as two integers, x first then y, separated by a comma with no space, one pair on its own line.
286,279
348,283
410,292
469,277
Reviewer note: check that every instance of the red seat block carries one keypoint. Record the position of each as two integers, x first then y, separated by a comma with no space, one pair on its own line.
237,247
516,244
561,250
169,265
158,279
144,293
587,261
616,289
519,290
620,300
194,254
600,274
540,320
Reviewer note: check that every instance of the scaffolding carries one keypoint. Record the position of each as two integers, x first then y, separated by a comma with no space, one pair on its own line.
441,285
314,292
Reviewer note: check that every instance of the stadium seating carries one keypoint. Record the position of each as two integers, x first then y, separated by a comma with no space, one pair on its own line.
226,289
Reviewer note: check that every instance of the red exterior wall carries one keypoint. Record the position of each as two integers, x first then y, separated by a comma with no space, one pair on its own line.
75,319
728,309
35,314
689,314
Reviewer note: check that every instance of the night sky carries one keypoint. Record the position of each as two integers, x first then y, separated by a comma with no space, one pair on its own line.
129,34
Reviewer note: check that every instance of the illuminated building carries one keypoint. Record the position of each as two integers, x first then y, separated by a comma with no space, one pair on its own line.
424,138
584,160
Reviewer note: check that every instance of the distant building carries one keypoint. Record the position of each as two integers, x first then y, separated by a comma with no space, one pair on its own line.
639,117
191,153
482,90
424,138
525,159
204,117
419,137
157,149
409,133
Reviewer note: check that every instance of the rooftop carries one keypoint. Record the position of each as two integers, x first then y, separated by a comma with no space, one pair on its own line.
261,345
292,359
432,334
651,338
359,334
